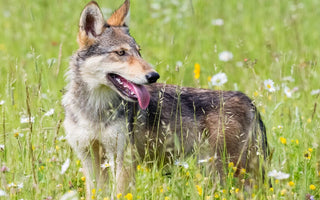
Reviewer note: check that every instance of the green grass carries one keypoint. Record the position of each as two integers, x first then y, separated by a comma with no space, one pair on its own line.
277,38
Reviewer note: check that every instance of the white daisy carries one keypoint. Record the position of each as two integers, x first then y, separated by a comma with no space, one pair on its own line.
65,166
288,78
25,120
105,165
269,85
219,79
20,186
49,113
179,63
2,102
314,92
51,61
182,164
217,22
225,56
3,193
278,175
288,92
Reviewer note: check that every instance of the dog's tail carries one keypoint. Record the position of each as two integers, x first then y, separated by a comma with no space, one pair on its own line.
261,129
263,132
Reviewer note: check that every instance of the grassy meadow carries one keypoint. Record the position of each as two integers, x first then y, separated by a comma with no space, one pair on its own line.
270,51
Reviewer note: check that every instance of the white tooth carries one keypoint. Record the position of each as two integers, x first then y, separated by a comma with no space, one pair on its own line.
132,93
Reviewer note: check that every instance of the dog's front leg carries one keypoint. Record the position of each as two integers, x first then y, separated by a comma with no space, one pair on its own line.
95,176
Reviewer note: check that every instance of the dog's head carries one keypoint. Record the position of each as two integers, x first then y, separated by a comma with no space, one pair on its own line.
110,56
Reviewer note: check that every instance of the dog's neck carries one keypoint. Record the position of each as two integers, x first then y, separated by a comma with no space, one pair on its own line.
98,103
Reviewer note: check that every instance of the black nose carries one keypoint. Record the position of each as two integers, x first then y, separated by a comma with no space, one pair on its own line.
152,77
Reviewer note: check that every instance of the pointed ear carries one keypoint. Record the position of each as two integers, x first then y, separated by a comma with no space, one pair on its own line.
91,24
118,16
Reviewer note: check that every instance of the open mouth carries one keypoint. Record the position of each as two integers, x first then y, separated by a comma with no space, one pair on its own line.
134,92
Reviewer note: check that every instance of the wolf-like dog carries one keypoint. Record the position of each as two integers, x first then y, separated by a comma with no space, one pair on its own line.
112,102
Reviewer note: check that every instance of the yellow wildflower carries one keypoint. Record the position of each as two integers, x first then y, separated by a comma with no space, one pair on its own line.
312,187
199,188
119,195
307,155
291,183
283,192
196,71
231,164
128,196
216,195
83,178
242,171
310,150
283,140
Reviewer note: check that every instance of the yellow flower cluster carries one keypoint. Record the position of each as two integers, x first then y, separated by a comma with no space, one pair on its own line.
196,71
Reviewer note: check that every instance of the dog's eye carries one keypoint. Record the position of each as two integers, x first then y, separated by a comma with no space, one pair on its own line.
120,53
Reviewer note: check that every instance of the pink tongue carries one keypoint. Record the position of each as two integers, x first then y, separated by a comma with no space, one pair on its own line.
142,93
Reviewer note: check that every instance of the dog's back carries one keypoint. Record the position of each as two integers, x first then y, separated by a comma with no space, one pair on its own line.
216,123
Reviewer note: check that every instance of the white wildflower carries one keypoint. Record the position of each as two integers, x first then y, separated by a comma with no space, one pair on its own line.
61,138
288,78
51,61
155,6
2,102
239,64
70,195
225,56
105,165
182,164
288,92
278,175
24,120
179,63
11,185
1,147
205,160
20,186
217,22
7,14
219,79
49,113
65,166
3,193
314,92
269,85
